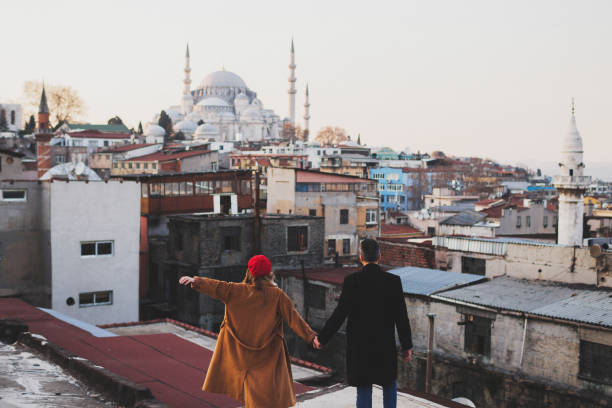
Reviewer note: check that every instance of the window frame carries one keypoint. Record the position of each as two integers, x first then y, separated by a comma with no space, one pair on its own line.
372,213
96,247
599,360
471,332
344,216
297,248
346,241
14,200
95,303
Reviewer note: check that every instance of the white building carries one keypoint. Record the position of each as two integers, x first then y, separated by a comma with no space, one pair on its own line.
95,229
228,109
10,114
571,185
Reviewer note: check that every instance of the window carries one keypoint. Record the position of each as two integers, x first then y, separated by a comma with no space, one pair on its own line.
571,172
331,247
231,238
518,221
477,335
595,362
14,195
97,248
346,246
475,266
378,176
213,166
545,223
129,165
145,166
96,298
12,117
316,296
431,231
297,238
137,165
60,158
555,220
312,212
153,165
115,165
344,216
371,216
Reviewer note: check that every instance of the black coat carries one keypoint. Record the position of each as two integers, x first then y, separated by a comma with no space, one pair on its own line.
374,302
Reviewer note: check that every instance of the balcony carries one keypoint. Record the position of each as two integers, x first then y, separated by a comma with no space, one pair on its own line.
571,181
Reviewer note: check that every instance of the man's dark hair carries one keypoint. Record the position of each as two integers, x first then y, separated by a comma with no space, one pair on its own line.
370,250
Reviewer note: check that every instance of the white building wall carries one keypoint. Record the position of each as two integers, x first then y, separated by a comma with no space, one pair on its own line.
571,210
95,211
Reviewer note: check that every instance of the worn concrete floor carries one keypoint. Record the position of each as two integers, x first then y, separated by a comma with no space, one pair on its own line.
26,380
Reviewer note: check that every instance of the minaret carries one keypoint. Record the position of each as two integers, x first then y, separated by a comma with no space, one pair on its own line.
306,115
292,90
187,98
571,185
43,137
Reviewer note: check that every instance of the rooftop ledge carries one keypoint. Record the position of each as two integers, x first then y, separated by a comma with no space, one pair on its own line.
571,181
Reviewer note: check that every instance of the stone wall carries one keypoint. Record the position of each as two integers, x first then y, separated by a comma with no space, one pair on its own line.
399,254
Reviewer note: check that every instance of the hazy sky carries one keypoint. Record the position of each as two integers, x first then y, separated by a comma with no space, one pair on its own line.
484,78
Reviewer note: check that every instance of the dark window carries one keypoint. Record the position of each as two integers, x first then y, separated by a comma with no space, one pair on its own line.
12,117
528,221
96,298
474,266
231,238
316,296
545,223
431,231
88,248
477,335
344,216
312,213
297,238
105,248
346,246
518,221
13,195
331,246
571,172
595,362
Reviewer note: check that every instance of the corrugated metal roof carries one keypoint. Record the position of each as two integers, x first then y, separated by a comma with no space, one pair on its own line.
491,246
423,281
582,304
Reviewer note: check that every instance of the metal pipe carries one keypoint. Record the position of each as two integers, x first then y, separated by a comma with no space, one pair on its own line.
430,340
523,343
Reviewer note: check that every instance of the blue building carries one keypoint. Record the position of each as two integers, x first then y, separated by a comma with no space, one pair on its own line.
392,188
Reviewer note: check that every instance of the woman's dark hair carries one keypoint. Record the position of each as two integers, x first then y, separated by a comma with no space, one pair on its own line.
370,250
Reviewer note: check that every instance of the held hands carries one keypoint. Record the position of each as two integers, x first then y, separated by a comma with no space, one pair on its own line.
186,280
316,344
406,355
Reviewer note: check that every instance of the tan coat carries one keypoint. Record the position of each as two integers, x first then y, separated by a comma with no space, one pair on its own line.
251,362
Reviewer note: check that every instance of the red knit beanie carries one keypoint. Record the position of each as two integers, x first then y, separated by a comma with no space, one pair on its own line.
259,265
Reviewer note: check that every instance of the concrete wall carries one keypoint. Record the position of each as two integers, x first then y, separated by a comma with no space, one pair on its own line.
25,260
10,167
465,230
536,212
200,163
553,263
281,191
95,211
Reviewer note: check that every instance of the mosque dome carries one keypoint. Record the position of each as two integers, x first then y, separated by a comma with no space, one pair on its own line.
213,101
241,99
206,131
222,79
185,126
155,131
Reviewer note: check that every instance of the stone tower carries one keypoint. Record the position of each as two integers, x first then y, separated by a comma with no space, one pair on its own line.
292,90
43,137
187,101
570,185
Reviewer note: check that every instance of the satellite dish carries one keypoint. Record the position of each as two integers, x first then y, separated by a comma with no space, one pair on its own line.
595,251
79,169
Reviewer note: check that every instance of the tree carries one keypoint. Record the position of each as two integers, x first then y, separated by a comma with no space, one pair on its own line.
140,131
65,104
331,135
30,125
288,132
115,121
165,122
179,135
359,139
200,122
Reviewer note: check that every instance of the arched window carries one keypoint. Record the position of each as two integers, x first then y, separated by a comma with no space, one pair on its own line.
12,117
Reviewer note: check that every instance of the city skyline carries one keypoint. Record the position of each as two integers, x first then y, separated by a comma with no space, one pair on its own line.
488,80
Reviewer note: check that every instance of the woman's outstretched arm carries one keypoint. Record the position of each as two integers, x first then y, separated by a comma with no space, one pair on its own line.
294,320
214,288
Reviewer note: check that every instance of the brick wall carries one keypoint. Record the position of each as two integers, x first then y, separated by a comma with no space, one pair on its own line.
402,254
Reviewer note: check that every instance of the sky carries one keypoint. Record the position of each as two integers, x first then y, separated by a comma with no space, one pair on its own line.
483,78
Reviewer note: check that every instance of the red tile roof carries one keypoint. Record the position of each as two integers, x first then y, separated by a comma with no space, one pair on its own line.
486,202
124,148
396,229
333,275
96,134
171,367
161,156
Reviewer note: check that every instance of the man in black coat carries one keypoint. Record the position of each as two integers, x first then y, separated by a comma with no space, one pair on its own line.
373,301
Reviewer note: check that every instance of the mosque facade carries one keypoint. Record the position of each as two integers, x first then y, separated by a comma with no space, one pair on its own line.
223,108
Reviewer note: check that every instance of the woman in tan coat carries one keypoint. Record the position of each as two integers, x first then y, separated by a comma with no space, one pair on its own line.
251,362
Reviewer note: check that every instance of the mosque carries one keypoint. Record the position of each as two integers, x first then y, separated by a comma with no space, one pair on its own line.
223,108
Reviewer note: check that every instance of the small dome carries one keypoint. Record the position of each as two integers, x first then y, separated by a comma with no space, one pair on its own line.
155,131
193,116
222,79
185,126
207,129
174,114
241,100
226,116
213,101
